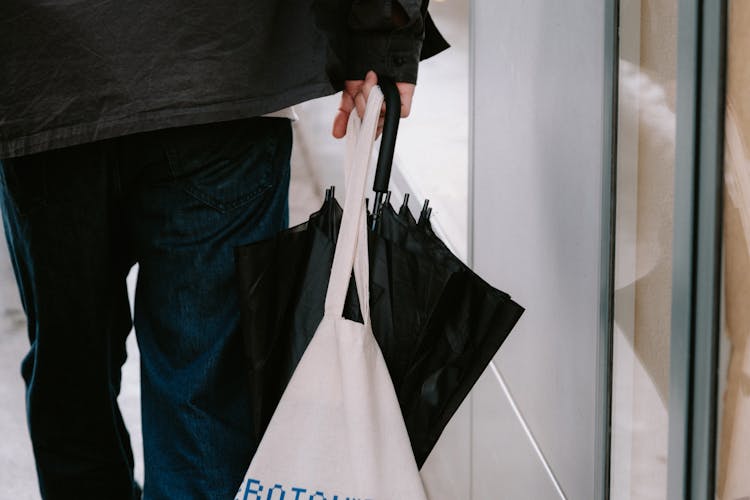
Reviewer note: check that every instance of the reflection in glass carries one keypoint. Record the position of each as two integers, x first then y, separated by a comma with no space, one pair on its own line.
734,390
643,248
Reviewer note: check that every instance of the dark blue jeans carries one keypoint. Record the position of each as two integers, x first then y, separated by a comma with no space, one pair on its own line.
77,219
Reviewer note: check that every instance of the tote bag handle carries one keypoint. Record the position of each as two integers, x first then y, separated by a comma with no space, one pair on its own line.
351,246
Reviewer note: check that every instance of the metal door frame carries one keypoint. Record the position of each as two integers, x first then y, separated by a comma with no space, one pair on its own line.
696,278
607,259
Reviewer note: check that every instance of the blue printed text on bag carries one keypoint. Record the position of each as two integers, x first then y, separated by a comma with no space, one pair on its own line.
255,490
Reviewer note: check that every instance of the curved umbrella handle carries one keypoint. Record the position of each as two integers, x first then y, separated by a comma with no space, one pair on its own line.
390,129
387,144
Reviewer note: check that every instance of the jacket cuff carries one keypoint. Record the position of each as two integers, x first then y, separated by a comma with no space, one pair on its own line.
395,54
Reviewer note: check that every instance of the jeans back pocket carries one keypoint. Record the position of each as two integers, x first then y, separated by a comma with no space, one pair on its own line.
228,165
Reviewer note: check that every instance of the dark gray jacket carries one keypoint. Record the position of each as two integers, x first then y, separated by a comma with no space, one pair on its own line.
77,71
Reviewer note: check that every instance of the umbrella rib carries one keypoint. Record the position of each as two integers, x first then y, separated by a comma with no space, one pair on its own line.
527,430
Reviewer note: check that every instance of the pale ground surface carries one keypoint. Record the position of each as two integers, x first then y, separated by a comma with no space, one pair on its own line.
17,476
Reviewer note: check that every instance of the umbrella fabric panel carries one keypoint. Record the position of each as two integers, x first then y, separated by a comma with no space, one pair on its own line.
471,323
437,323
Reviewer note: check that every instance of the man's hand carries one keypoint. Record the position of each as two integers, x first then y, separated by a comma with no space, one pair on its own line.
355,95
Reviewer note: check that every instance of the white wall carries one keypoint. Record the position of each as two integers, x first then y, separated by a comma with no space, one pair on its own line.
537,165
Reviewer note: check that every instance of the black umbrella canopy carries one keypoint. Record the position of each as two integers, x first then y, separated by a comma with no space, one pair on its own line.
463,329
438,324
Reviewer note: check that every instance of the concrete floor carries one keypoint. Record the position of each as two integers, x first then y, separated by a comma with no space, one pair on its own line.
17,476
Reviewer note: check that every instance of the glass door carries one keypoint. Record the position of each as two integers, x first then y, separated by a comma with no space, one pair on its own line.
679,358
645,159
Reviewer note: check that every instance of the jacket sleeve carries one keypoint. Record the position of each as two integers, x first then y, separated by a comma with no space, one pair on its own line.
387,36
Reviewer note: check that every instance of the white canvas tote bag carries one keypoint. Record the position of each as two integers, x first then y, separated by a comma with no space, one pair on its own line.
338,432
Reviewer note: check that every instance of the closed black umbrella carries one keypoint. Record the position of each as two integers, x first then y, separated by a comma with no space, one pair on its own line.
437,323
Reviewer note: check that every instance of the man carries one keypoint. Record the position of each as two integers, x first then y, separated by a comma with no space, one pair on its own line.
135,132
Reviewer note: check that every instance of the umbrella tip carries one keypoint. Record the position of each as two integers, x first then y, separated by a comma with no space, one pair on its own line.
424,215
405,204
425,206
